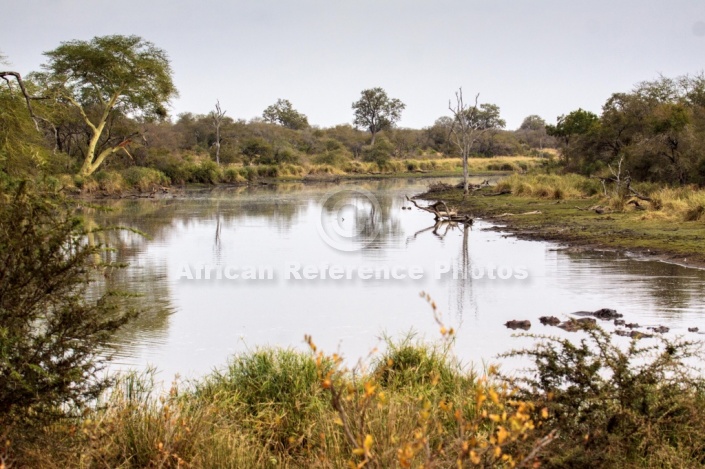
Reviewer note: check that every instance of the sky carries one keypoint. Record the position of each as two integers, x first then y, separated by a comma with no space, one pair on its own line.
545,57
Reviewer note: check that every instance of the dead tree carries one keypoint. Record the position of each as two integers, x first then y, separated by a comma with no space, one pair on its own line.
217,117
465,131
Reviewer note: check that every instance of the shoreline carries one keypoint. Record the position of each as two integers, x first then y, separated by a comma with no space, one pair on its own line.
176,190
569,222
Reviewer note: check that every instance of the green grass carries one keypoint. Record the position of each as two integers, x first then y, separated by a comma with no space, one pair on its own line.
563,208
590,404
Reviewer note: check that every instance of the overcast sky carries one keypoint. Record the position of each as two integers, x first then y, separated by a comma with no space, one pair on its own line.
529,57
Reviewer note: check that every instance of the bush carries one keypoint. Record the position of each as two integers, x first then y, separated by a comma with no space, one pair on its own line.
144,179
255,149
52,340
380,153
634,406
277,386
406,366
110,181
207,172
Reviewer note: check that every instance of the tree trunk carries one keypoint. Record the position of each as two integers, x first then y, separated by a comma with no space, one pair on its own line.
465,173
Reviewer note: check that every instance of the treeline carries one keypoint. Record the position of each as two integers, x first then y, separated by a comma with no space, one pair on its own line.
176,147
100,106
655,132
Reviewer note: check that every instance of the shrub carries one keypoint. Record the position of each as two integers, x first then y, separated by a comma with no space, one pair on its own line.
52,339
408,365
144,179
380,153
279,387
111,182
255,149
207,172
613,406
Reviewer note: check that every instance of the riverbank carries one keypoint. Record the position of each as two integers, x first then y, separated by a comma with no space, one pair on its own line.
577,213
152,182
411,406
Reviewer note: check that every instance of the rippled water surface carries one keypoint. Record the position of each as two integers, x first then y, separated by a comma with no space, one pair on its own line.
192,325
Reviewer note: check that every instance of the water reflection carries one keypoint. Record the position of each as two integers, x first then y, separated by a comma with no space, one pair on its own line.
193,325
674,289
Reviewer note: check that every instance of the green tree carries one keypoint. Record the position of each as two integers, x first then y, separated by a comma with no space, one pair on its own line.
283,113
104,76
578,122
375,111
52,338
22,149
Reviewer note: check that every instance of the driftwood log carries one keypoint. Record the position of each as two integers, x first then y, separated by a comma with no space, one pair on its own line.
441,212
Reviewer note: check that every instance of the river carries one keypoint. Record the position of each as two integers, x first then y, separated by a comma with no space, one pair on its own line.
228,270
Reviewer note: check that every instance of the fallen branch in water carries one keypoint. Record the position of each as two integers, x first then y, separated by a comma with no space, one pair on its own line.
445,214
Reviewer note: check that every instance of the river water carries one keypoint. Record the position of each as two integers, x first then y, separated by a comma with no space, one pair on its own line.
228,270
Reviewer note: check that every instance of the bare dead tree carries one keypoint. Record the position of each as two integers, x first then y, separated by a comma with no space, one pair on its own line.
466,129
217,117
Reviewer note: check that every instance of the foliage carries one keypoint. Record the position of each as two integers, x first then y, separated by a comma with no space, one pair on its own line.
653,133
375,111
21,149
380,152
614,406
53,338
255,149
145,179
109,75
283,113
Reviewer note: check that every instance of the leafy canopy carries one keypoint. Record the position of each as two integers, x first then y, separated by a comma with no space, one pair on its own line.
105,77
375,111
126,71
284,114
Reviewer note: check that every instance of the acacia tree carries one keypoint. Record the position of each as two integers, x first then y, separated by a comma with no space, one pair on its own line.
283,113
375,111
108,75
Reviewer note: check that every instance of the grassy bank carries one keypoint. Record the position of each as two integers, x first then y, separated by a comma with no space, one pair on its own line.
171,173
590,405
574,209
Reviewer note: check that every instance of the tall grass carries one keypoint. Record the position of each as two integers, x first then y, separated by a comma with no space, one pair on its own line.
585,404
549,186
684,203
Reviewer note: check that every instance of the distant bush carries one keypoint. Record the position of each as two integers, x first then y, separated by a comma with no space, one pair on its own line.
144,179
206,172
111,182
255,149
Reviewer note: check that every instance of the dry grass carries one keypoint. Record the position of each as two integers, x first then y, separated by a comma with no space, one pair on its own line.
683,203
549,186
